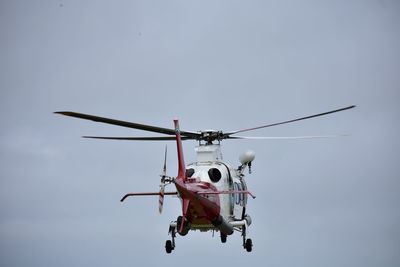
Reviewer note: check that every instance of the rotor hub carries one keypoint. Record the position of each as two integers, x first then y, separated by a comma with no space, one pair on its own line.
210,135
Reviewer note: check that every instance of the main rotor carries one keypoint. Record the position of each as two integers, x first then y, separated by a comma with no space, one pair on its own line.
207,136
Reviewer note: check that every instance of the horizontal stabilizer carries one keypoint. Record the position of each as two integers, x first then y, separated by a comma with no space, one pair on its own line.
148,194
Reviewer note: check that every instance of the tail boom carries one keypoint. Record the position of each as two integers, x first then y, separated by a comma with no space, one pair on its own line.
181,160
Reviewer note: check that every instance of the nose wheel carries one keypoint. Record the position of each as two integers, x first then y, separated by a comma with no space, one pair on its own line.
247,242
223,238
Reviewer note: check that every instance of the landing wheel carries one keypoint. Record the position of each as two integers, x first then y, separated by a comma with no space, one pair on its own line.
248,245
168,246
223,238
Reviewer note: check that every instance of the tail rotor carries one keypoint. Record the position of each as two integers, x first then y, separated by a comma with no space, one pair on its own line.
164,181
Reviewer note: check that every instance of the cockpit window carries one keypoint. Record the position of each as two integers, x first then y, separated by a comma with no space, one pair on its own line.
189,172
236,188
214,174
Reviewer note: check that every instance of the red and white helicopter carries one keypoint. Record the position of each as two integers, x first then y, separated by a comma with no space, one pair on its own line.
212,192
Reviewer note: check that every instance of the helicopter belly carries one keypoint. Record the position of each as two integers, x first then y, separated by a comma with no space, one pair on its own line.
203,210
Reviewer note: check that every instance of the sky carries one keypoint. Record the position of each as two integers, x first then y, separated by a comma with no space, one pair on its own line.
222,65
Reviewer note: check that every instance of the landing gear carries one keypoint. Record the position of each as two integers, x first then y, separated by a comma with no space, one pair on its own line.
170,244
174,226
173,229
223,238
247,243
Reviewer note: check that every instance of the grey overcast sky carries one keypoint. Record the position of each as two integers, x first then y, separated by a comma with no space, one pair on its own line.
213,64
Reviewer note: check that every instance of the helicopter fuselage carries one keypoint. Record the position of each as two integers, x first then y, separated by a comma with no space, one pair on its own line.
213,193
230,206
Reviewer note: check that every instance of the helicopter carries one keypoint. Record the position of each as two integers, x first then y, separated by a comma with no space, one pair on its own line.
213,193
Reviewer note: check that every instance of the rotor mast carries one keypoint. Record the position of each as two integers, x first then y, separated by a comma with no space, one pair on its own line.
208,153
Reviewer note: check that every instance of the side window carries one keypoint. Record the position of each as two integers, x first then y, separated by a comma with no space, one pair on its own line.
240,195
237,197
189,172
232,202
214,174
244,196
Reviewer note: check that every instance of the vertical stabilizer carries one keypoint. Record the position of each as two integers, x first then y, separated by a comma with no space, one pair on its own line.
181,160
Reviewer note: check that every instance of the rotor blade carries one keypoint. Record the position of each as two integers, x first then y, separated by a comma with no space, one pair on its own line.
165,162
161,198
284,137
288,121
147,138
133,125
148,194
